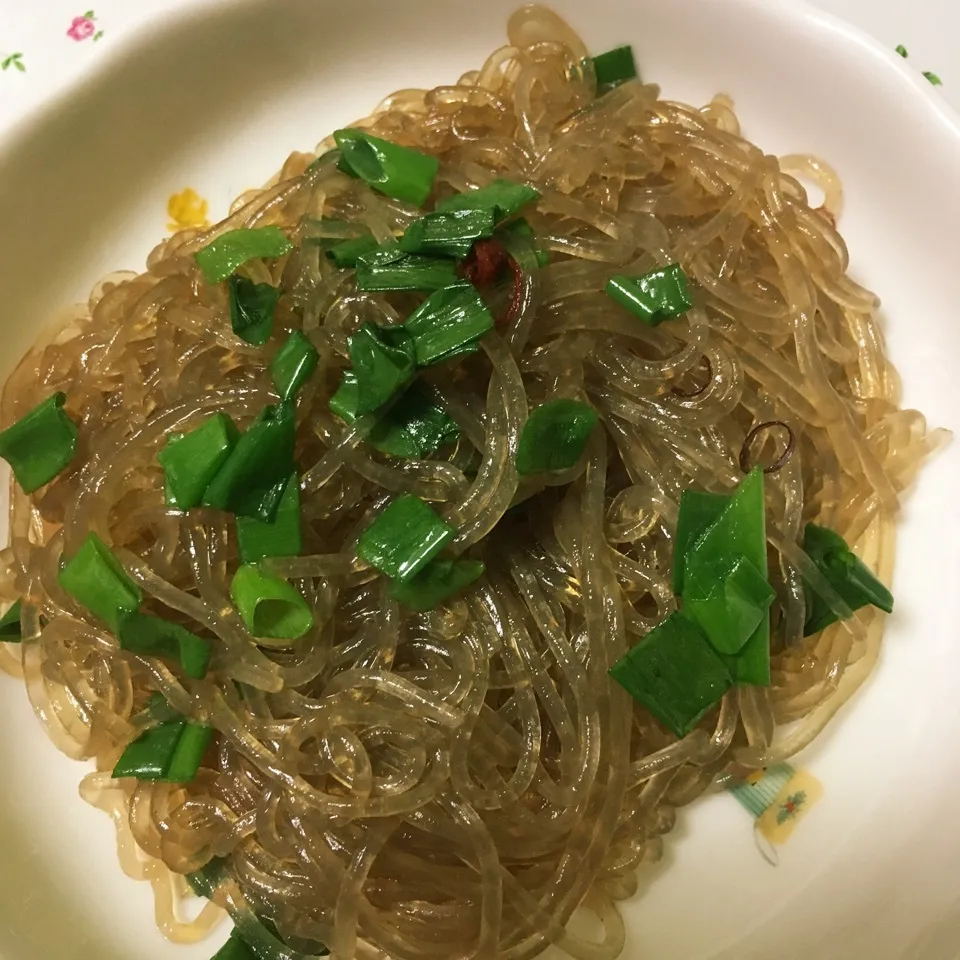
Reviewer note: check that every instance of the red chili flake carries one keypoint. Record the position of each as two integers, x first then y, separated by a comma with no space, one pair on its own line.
484,266
485,263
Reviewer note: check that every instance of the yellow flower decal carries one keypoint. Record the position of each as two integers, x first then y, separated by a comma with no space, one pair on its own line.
187,209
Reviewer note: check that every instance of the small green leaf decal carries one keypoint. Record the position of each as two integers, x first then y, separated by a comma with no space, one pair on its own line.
14,60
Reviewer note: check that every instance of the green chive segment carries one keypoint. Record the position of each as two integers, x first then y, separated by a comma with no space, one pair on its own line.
555,436
437,582
156,637
346,253
450,233
281,538
413,428
95,578
191,460
270,607
399,172
204,882
188,754
845,572
219,258
41,444
234,949
10,624
502,199
149,756
675,673
449,322
171,751
699,510
615,67
293,365
654,297
251,480
406,536
739,531
389,268
384,363
729,601
252,306
347,397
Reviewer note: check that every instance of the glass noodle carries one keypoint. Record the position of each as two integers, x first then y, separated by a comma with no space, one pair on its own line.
454,784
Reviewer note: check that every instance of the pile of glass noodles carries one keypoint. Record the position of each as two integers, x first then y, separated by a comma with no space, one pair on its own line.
399,729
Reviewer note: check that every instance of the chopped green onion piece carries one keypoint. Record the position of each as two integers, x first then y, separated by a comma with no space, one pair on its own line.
268,505
346,253
169,497
675,673
159,710
344,402
404,538
438,581
446,322
261,460
399,172
740,530
412,428
845,572
615,66
10,624
282,538
344,167
149,756
503,198
95,578
522,230
654,297
383,362
698,511
188,753
252,306
234,949
191,460
555,436
728,601
155,637
447,232
389,268
269,606
293,365
265,943
219,258
204,882
902,50
933,78
39,445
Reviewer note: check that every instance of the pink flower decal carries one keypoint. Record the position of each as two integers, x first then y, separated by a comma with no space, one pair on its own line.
85,27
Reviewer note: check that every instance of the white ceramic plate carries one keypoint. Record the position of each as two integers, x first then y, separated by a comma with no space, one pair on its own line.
215,97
